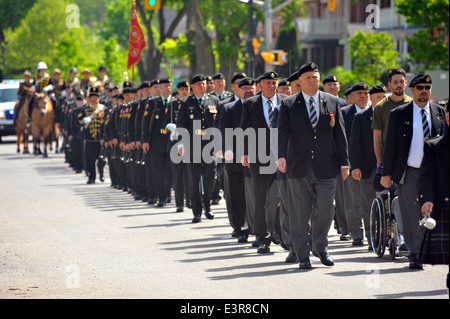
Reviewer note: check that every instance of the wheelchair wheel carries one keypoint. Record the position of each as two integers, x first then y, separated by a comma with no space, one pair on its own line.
378,226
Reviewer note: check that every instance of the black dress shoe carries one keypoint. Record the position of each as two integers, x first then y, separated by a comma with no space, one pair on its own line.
357,242
161,204
188,204
180,209
91,181
292,257
209,214
197,219
345,237
414,263
242,238
326,259
263,249
102,179
305,263
151,201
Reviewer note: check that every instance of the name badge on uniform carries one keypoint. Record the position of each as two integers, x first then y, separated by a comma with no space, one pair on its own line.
332,119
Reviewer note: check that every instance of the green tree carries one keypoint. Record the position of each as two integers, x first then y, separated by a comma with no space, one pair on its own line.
372,55
288,41
429,45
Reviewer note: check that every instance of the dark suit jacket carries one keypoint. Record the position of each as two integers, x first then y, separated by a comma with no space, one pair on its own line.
253,117
298,143
230,117
399,136
348,112
361,151
434,182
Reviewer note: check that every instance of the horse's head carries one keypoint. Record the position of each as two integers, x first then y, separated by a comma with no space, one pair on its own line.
40,101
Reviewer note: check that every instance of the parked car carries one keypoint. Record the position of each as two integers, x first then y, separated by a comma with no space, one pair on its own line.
8,98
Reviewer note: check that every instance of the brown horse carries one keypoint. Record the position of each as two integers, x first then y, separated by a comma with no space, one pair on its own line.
22,131
42,119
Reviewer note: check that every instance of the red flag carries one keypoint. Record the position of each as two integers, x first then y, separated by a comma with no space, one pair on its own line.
137,41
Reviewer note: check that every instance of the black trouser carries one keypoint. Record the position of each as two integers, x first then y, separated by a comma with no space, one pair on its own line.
77,151
149,178
261,186
195,172
234,189
92,152
178,182
159,161
219,182
139,171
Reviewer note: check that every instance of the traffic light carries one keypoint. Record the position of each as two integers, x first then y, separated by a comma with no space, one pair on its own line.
255,45
269,57
152,4
331,5
275,57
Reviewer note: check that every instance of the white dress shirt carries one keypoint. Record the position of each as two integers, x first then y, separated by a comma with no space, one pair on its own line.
266,107
417,142
316,103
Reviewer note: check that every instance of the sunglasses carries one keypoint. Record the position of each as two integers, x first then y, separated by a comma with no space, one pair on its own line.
423,87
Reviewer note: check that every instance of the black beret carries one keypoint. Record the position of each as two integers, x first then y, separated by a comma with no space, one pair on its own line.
154,82
379,88
293,77
421,78
349,91
165,81
183,84
284,82
360,86
246,81
198,78
308,67
102,68
145,84
208,78
120,96
94,91
271,75
238,76
127,90
330,79
218,76
127,84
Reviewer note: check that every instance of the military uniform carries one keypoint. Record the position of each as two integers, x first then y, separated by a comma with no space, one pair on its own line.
156,134
204,111
91,118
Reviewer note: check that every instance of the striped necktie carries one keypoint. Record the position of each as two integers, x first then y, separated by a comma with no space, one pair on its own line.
312,113
426,127
271,109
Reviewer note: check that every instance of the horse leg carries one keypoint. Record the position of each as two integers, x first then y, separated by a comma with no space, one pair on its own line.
19,139
25,142
46,140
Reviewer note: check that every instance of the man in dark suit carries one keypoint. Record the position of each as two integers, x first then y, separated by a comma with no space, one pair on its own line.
257,114
352,195
197,114
363,161
234,186
409,126
224,97
312,151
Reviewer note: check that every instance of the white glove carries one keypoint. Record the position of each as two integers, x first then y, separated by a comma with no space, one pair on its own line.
87,120
171,127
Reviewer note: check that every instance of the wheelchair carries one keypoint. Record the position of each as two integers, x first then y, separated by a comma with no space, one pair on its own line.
384,230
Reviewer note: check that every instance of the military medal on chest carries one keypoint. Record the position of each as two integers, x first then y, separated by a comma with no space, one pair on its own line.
332,119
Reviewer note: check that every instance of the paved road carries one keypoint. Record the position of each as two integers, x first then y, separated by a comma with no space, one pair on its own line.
61,238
